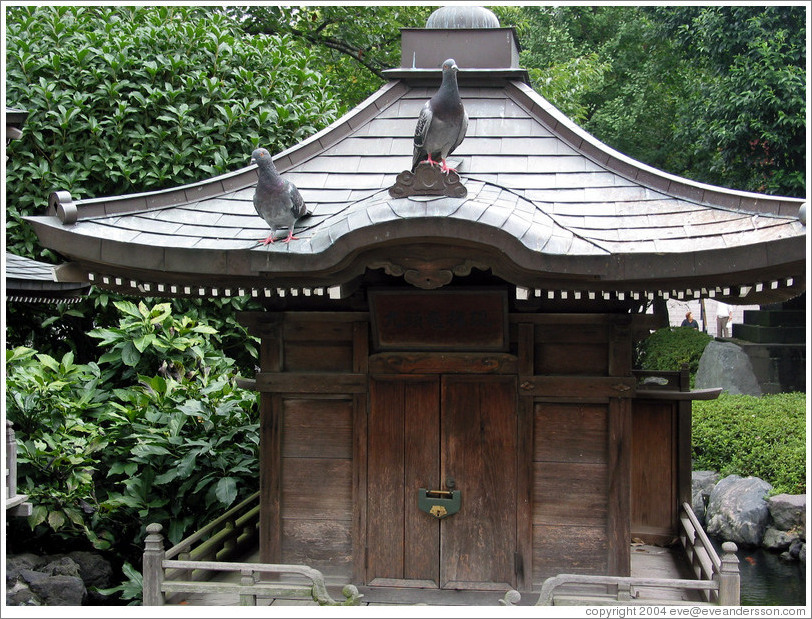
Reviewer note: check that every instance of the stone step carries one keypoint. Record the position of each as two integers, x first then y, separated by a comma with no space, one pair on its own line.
769,335
775,318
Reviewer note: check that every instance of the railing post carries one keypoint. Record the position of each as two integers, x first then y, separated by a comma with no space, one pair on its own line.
729,577
247,579
153,569
11,462
230,543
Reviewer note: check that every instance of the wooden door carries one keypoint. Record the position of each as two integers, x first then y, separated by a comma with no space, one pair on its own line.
423,431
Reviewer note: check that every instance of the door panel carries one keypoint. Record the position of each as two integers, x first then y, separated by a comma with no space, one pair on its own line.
403,452
424,430
479,452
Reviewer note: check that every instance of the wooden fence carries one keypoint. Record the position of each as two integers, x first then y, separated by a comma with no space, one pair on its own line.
717,581
188,566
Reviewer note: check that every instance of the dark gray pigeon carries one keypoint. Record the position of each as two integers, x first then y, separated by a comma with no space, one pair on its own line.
442,123
277,201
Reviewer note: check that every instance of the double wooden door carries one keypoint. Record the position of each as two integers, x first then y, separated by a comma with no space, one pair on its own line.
442,432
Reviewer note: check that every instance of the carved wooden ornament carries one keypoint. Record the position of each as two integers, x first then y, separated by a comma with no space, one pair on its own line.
428,180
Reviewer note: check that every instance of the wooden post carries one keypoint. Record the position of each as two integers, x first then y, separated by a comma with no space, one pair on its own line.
729,578
247,579
152,569
11,462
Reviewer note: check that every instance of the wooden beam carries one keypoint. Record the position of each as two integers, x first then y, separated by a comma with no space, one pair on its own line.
586,387
618,526
270,481
439,362
667,394
310,382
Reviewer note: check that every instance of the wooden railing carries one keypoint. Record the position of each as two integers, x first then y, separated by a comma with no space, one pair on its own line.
188,566
706,564
717,580
225,537
16,504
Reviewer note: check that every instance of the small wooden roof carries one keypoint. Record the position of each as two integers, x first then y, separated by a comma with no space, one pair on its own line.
26,280
548,208
31,281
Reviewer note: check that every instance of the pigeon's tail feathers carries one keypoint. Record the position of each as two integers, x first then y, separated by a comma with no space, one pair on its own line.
419,155
298,205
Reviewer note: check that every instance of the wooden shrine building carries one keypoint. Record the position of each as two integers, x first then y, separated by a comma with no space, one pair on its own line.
448,399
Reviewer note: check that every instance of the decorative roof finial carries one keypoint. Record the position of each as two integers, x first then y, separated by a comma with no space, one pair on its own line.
452,17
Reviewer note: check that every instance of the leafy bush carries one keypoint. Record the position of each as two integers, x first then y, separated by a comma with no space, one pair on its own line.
126,99
59,445
760,436
668,348
155,431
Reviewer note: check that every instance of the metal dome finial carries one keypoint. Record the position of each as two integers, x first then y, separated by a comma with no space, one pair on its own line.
452,17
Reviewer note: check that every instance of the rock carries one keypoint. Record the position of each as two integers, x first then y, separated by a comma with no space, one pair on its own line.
15,563
60,566
788,512
726,365
94,569
702,483
58,590
795,547
21,595
802,554
56,580
776,540
737,511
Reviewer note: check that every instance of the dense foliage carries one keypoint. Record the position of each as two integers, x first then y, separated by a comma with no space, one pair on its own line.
743,118
667,349
760,436
123,99
155,430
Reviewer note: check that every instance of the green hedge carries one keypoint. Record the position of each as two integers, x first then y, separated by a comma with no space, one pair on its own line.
760,436
668,348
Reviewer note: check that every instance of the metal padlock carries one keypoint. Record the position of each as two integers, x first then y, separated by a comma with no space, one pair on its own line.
439,503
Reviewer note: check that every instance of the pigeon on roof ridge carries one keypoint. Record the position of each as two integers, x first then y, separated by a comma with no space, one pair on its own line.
276,200
442,123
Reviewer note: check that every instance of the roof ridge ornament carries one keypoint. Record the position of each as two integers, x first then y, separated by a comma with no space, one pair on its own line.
428,180
61,203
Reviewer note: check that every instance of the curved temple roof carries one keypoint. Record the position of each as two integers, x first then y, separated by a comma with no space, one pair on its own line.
548,208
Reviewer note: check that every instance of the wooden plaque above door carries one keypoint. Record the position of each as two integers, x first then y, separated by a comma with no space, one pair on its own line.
473,319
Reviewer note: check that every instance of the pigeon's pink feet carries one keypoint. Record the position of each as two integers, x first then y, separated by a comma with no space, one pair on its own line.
445,167
431,161
291,238
268,240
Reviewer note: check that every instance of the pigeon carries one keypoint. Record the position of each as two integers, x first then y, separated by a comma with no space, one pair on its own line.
442,123
277,201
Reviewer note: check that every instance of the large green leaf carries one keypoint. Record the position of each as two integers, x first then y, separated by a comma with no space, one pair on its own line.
226,490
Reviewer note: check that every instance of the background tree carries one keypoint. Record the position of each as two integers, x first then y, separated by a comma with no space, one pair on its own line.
354,44
743,119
